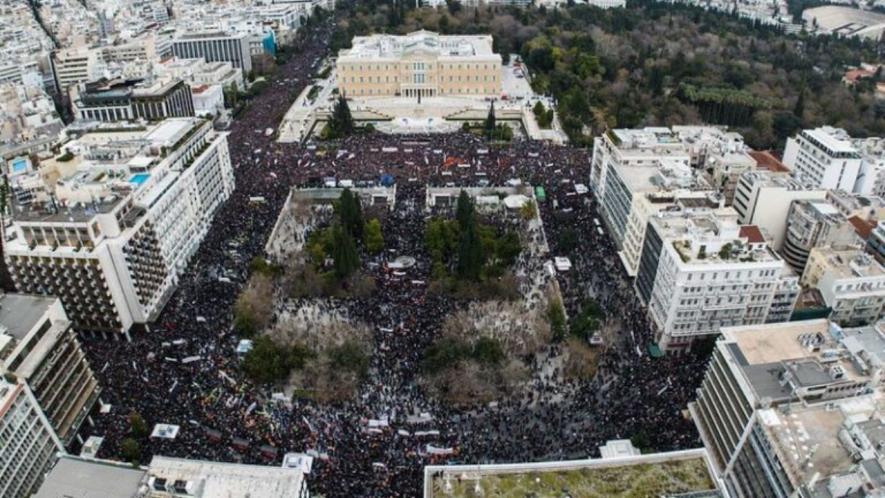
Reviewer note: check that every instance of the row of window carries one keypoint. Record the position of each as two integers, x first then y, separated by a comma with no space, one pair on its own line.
417,66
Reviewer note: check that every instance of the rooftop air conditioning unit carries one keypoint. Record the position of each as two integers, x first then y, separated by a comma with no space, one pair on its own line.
837,372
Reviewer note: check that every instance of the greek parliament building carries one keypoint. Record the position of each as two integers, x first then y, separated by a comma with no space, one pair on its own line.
420,64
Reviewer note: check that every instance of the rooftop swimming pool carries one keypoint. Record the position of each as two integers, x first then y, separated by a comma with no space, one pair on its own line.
19,165
139,178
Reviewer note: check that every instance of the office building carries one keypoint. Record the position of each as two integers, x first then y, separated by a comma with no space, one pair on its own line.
39,347
132,100
128,209
813,224
851,282
28,445
702,271
215,46
763,198
421,64
824,158
792,409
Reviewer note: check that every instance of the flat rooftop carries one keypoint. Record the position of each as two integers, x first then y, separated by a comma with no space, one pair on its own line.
394,47
230,479
19,313
647,475
73,477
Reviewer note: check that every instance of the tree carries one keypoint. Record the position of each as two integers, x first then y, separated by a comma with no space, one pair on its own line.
350,212
266,362
799,108
137,425
464,210
344,252
374,237
471,256
489,124
341,121
130,450
556,316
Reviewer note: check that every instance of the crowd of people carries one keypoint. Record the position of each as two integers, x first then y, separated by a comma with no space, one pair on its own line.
376,444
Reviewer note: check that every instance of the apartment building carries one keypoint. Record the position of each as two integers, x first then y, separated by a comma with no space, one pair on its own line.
702,271
214,46
876,242
871,179
126,213
763,198
851,282
824,158
39,347
813,224
76,65
420,64
143,49
792,409
130,100
29,445
627,163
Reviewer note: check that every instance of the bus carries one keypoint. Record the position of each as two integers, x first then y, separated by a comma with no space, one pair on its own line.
540,194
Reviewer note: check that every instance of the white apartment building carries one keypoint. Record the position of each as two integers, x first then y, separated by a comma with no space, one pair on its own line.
636,173
763,198
871,179
813,224
626,162
701,272
28,445
127,212
793,410
824,158
39,347
851,282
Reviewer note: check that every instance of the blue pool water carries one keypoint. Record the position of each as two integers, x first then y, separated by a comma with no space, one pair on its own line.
139,178
19,165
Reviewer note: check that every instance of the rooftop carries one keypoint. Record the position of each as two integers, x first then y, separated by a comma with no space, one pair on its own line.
73,477
394,47
217,479
19,313
663,474
850,262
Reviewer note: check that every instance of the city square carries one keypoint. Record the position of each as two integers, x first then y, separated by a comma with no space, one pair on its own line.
350,460
449,250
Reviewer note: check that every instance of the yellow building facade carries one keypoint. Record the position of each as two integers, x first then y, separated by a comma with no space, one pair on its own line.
422,63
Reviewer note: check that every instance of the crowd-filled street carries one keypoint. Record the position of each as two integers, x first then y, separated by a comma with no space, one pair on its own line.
225,417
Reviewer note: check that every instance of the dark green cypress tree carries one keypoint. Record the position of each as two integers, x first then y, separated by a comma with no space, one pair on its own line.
470,253
489,125
464,212
344,252
341,122
350,213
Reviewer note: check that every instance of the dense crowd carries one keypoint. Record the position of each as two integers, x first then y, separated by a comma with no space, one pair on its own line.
377,444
